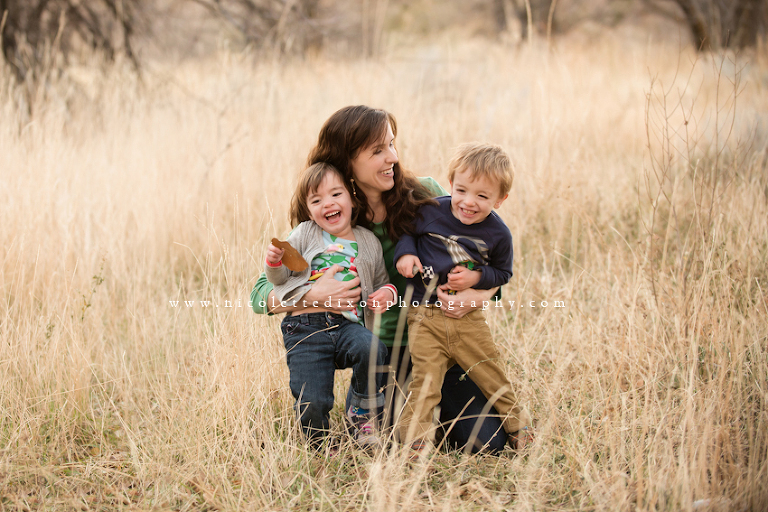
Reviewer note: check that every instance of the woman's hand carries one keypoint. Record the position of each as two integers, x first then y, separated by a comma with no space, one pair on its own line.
342,295
461,278
456,306
380,300
408,264
326,293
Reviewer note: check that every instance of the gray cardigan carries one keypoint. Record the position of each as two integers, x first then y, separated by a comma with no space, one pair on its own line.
307,238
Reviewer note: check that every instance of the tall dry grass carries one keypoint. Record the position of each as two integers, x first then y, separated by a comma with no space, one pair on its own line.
641,200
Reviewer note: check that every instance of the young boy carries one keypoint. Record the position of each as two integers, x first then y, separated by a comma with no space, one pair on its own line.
460,243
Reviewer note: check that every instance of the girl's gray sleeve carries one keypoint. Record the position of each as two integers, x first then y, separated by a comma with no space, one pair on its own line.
276,275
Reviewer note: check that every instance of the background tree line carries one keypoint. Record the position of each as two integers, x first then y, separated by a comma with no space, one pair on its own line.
38,35
711,24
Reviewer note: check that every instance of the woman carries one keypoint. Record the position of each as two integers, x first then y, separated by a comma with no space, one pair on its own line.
360,142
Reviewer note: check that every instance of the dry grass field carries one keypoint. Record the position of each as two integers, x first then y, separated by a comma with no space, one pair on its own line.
640,200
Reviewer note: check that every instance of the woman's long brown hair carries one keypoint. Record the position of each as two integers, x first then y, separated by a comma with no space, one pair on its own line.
349,131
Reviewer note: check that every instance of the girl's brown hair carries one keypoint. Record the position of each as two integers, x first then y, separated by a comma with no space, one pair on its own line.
309,180
349,131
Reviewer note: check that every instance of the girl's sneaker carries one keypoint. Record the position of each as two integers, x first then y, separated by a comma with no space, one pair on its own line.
364,427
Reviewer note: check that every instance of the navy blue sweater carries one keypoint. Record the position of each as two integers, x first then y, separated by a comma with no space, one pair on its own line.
441,242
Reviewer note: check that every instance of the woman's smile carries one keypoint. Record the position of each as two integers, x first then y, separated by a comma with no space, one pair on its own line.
374,166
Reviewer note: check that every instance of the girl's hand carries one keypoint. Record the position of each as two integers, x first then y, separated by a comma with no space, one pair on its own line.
274,255
326,292
382,299
461,278
405,265
456,306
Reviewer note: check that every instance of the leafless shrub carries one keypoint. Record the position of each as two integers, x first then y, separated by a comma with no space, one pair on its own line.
548,17
298,26
717,24
284,25
712,24
36,32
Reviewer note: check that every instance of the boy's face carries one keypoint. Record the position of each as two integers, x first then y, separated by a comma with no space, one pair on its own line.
473,200
331,206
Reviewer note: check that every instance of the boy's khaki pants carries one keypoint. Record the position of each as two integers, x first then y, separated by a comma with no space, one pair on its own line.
436,343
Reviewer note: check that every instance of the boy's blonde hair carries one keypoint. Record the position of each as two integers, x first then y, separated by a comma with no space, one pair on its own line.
486,160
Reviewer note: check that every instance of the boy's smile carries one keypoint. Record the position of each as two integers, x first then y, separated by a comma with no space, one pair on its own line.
472,200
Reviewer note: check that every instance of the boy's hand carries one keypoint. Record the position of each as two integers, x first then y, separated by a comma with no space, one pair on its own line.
461,278
274,255
456,306
405,265
381,300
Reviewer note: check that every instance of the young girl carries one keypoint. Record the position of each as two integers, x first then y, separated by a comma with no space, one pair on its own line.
318,340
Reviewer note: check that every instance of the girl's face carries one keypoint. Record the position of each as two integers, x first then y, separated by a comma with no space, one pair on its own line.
373,167
331,206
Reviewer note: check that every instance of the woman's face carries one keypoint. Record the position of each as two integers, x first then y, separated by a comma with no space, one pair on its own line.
373,167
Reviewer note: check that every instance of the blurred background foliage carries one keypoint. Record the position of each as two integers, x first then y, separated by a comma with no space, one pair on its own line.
43,36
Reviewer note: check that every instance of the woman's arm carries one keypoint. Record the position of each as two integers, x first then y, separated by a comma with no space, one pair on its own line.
456,306
326,293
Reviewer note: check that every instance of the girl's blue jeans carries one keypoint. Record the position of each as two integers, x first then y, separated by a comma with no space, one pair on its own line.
318,344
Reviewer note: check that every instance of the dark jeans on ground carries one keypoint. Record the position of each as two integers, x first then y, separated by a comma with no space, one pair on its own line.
319,343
